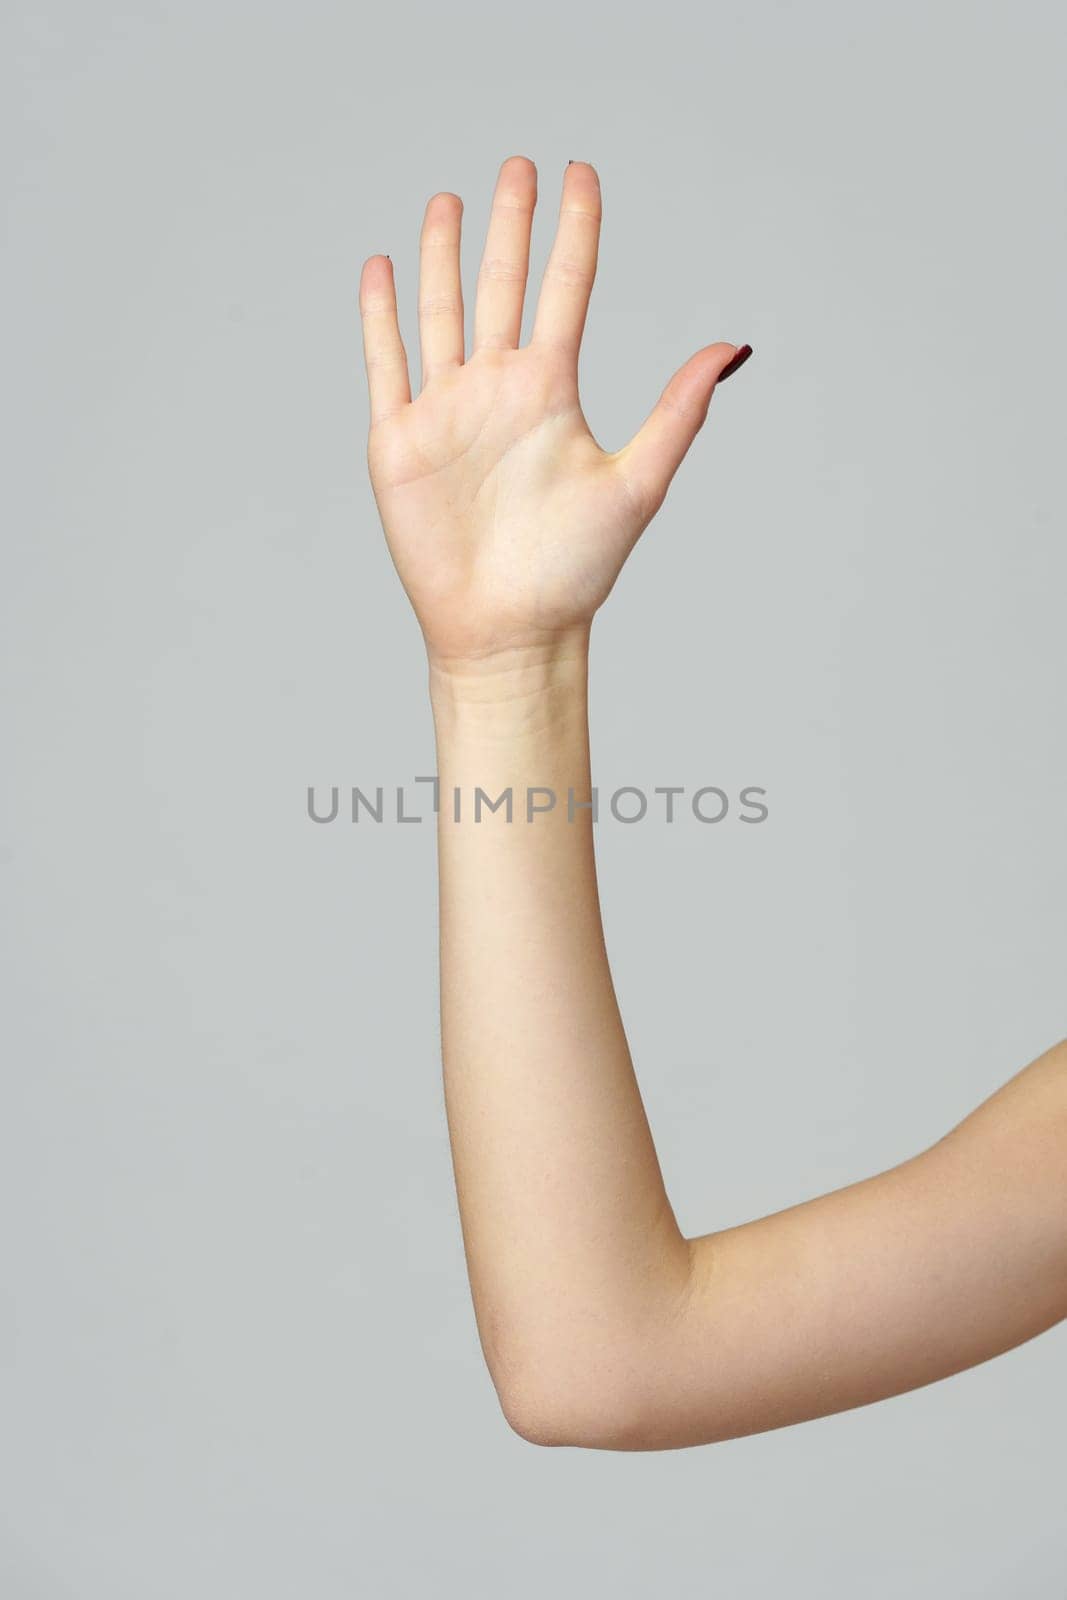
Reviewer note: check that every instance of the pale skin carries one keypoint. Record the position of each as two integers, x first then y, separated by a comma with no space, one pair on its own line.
602,1325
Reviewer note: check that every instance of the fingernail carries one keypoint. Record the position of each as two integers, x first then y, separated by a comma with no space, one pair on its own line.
738,361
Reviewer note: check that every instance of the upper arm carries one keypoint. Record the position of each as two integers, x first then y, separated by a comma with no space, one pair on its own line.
935,1265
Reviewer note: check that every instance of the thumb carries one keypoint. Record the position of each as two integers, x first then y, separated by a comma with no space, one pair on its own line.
658,448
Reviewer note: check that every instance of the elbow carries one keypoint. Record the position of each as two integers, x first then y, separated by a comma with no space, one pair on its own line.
610,1375
607,1406
533,1420
544,1423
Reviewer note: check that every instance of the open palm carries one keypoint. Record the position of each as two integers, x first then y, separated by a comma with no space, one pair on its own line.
507,522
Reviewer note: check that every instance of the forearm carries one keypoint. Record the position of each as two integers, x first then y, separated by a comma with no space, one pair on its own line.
601,1325
574,1255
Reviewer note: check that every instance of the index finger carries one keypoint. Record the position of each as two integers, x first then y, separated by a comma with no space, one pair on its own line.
571,267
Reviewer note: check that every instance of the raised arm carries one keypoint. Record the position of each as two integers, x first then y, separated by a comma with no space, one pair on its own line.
601,1324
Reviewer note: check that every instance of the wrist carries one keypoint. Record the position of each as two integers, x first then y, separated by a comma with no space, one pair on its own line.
526,686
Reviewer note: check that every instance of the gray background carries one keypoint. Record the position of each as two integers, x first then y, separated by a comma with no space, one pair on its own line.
239,1355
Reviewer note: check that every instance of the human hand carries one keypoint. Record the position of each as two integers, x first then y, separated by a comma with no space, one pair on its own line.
507,522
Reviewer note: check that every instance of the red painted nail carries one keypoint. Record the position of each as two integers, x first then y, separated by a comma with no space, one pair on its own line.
738,361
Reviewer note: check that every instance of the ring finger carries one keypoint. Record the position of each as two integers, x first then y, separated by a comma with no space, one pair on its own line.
440,286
